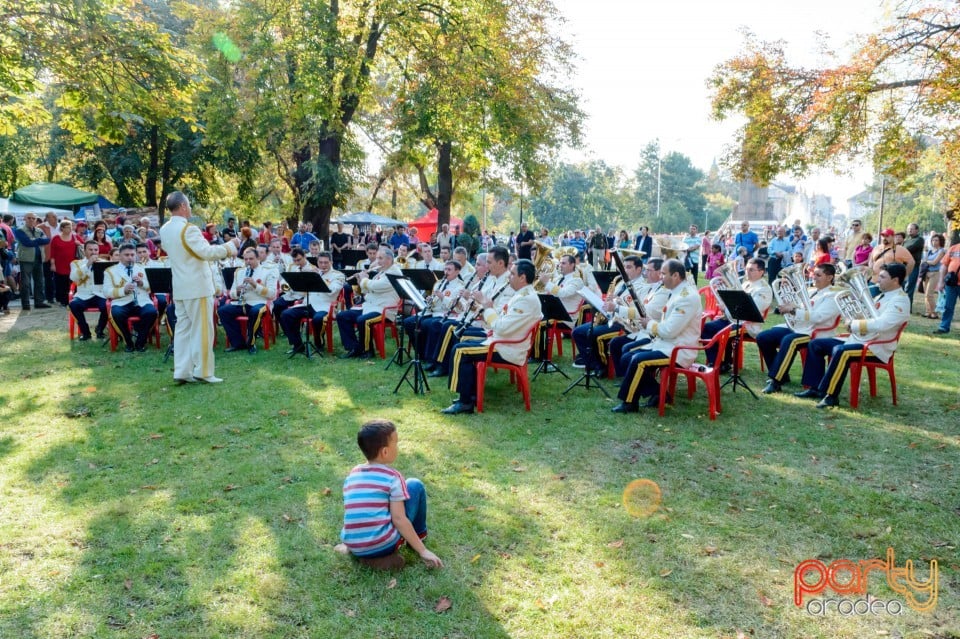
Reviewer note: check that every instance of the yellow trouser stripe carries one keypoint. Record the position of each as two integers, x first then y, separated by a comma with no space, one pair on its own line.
368,330
787,359
842,364
602,346
205,318
635,382
471,350
256,325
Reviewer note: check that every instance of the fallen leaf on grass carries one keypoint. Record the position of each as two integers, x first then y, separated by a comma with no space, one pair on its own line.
539,604
90,389
155,436
152,636
666,573
284,413
710,550
741,634
287,518
443,604
127,584
152,462
392,584
559,477
474,559
216,447
230,487
148,487
686,535
598,564
470,509
519,469
766,601
615,544
325,491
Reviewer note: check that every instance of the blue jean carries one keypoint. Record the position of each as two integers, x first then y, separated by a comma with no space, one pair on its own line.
952,292
416,511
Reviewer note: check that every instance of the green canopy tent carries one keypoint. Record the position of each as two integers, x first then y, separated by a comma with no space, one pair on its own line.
47,194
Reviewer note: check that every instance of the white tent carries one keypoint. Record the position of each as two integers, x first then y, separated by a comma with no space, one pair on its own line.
19,210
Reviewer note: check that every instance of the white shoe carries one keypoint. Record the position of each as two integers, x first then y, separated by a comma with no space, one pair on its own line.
211,380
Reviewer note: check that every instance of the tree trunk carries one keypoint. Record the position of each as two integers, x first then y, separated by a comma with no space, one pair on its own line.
444,182
165,177
319,202
153,167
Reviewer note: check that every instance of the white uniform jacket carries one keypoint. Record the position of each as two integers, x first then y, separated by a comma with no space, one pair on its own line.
118,276
762,296
654,303
378,292
513,320
81,274
680,324
188,253
822,313
567,288
447,292
264,291
893,310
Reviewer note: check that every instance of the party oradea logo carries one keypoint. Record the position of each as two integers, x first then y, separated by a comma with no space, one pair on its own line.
848,578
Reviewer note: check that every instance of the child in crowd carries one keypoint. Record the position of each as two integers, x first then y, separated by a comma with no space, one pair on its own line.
715,260
741,261
762,251
381,509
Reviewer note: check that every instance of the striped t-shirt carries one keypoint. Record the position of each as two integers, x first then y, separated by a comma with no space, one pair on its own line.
367,493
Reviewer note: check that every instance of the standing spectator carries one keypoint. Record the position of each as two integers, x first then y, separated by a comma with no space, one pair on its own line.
512,242
63,250
623,242
302,238
706,244
931,277
339,242
781,253
525,241
598,248
232,227
30,241
949,268
398,238
356,241
913,243
266,234
798,241
443,237
578,242
545,236
746,238
104,245
692,242
151,233
714,260
6,251
50,226
644,242
861,256
852,241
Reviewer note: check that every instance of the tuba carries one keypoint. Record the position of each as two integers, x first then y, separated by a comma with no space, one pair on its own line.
856,302
791,288
543,259
726,280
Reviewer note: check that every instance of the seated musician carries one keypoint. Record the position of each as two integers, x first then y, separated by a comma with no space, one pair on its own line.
759,289
446,255
617,305
88,294
254,287
445,295
127,286
893,309
314,249
351,286
144,259
288,298
276,257
356,324
429,262
654,296
403,259
565,284
510,320
679,326
471,326
779,345
466,268
437,332
314,305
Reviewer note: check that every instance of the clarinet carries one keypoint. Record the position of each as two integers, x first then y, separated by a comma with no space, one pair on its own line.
471,315
243,287
466,286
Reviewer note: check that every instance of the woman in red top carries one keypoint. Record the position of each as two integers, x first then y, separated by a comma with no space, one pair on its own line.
63,250
104,245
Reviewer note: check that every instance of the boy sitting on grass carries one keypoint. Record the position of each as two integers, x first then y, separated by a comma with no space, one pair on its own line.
381,509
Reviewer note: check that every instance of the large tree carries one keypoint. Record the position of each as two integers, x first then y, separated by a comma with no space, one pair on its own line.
898,85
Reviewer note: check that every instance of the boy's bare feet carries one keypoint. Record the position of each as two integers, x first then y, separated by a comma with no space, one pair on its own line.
342,549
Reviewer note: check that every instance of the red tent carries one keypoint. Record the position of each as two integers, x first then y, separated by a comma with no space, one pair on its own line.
428,224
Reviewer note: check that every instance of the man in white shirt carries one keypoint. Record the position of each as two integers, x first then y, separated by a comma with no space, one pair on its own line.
88,294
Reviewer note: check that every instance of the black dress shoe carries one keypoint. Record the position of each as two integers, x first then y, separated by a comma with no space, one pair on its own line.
773,386
725,368
828,401
365,355
296,350
810,393
654,401
25,308
128,349
348,355
141,349
437,372
458,408
429,368
624,407
100,335
939,331
234,349
84,338
42,306
252,350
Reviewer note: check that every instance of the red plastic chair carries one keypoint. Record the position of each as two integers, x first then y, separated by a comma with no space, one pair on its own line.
557,330
518,372
266,328
816,332
746,338
710,375
115,336
380,330
326,330
71,320
856,368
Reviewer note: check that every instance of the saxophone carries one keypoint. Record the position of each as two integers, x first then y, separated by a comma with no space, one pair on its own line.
791,288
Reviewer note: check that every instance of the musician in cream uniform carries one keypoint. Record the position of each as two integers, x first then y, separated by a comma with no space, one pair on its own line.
779,345
496,287
285,300
429,262
128,288
143,259
507,320
190,257
679,326
566,285
315,305
756,285
437,346
276,257
654,296
621,308
893,309
254,288
378,294
88,294
444,297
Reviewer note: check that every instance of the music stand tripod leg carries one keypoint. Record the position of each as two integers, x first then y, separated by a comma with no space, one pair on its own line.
419,384
588,374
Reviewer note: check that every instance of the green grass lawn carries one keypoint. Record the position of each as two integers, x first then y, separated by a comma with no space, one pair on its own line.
131,507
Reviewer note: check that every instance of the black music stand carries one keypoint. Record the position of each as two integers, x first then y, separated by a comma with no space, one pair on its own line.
408,292
588,372
309,282
99,268
423,278
228,274
742,308
604,279
553,311
161,281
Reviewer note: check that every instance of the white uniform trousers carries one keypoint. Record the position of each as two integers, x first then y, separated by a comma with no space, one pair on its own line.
193,340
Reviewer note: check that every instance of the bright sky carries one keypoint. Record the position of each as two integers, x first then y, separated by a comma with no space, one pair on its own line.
644,64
